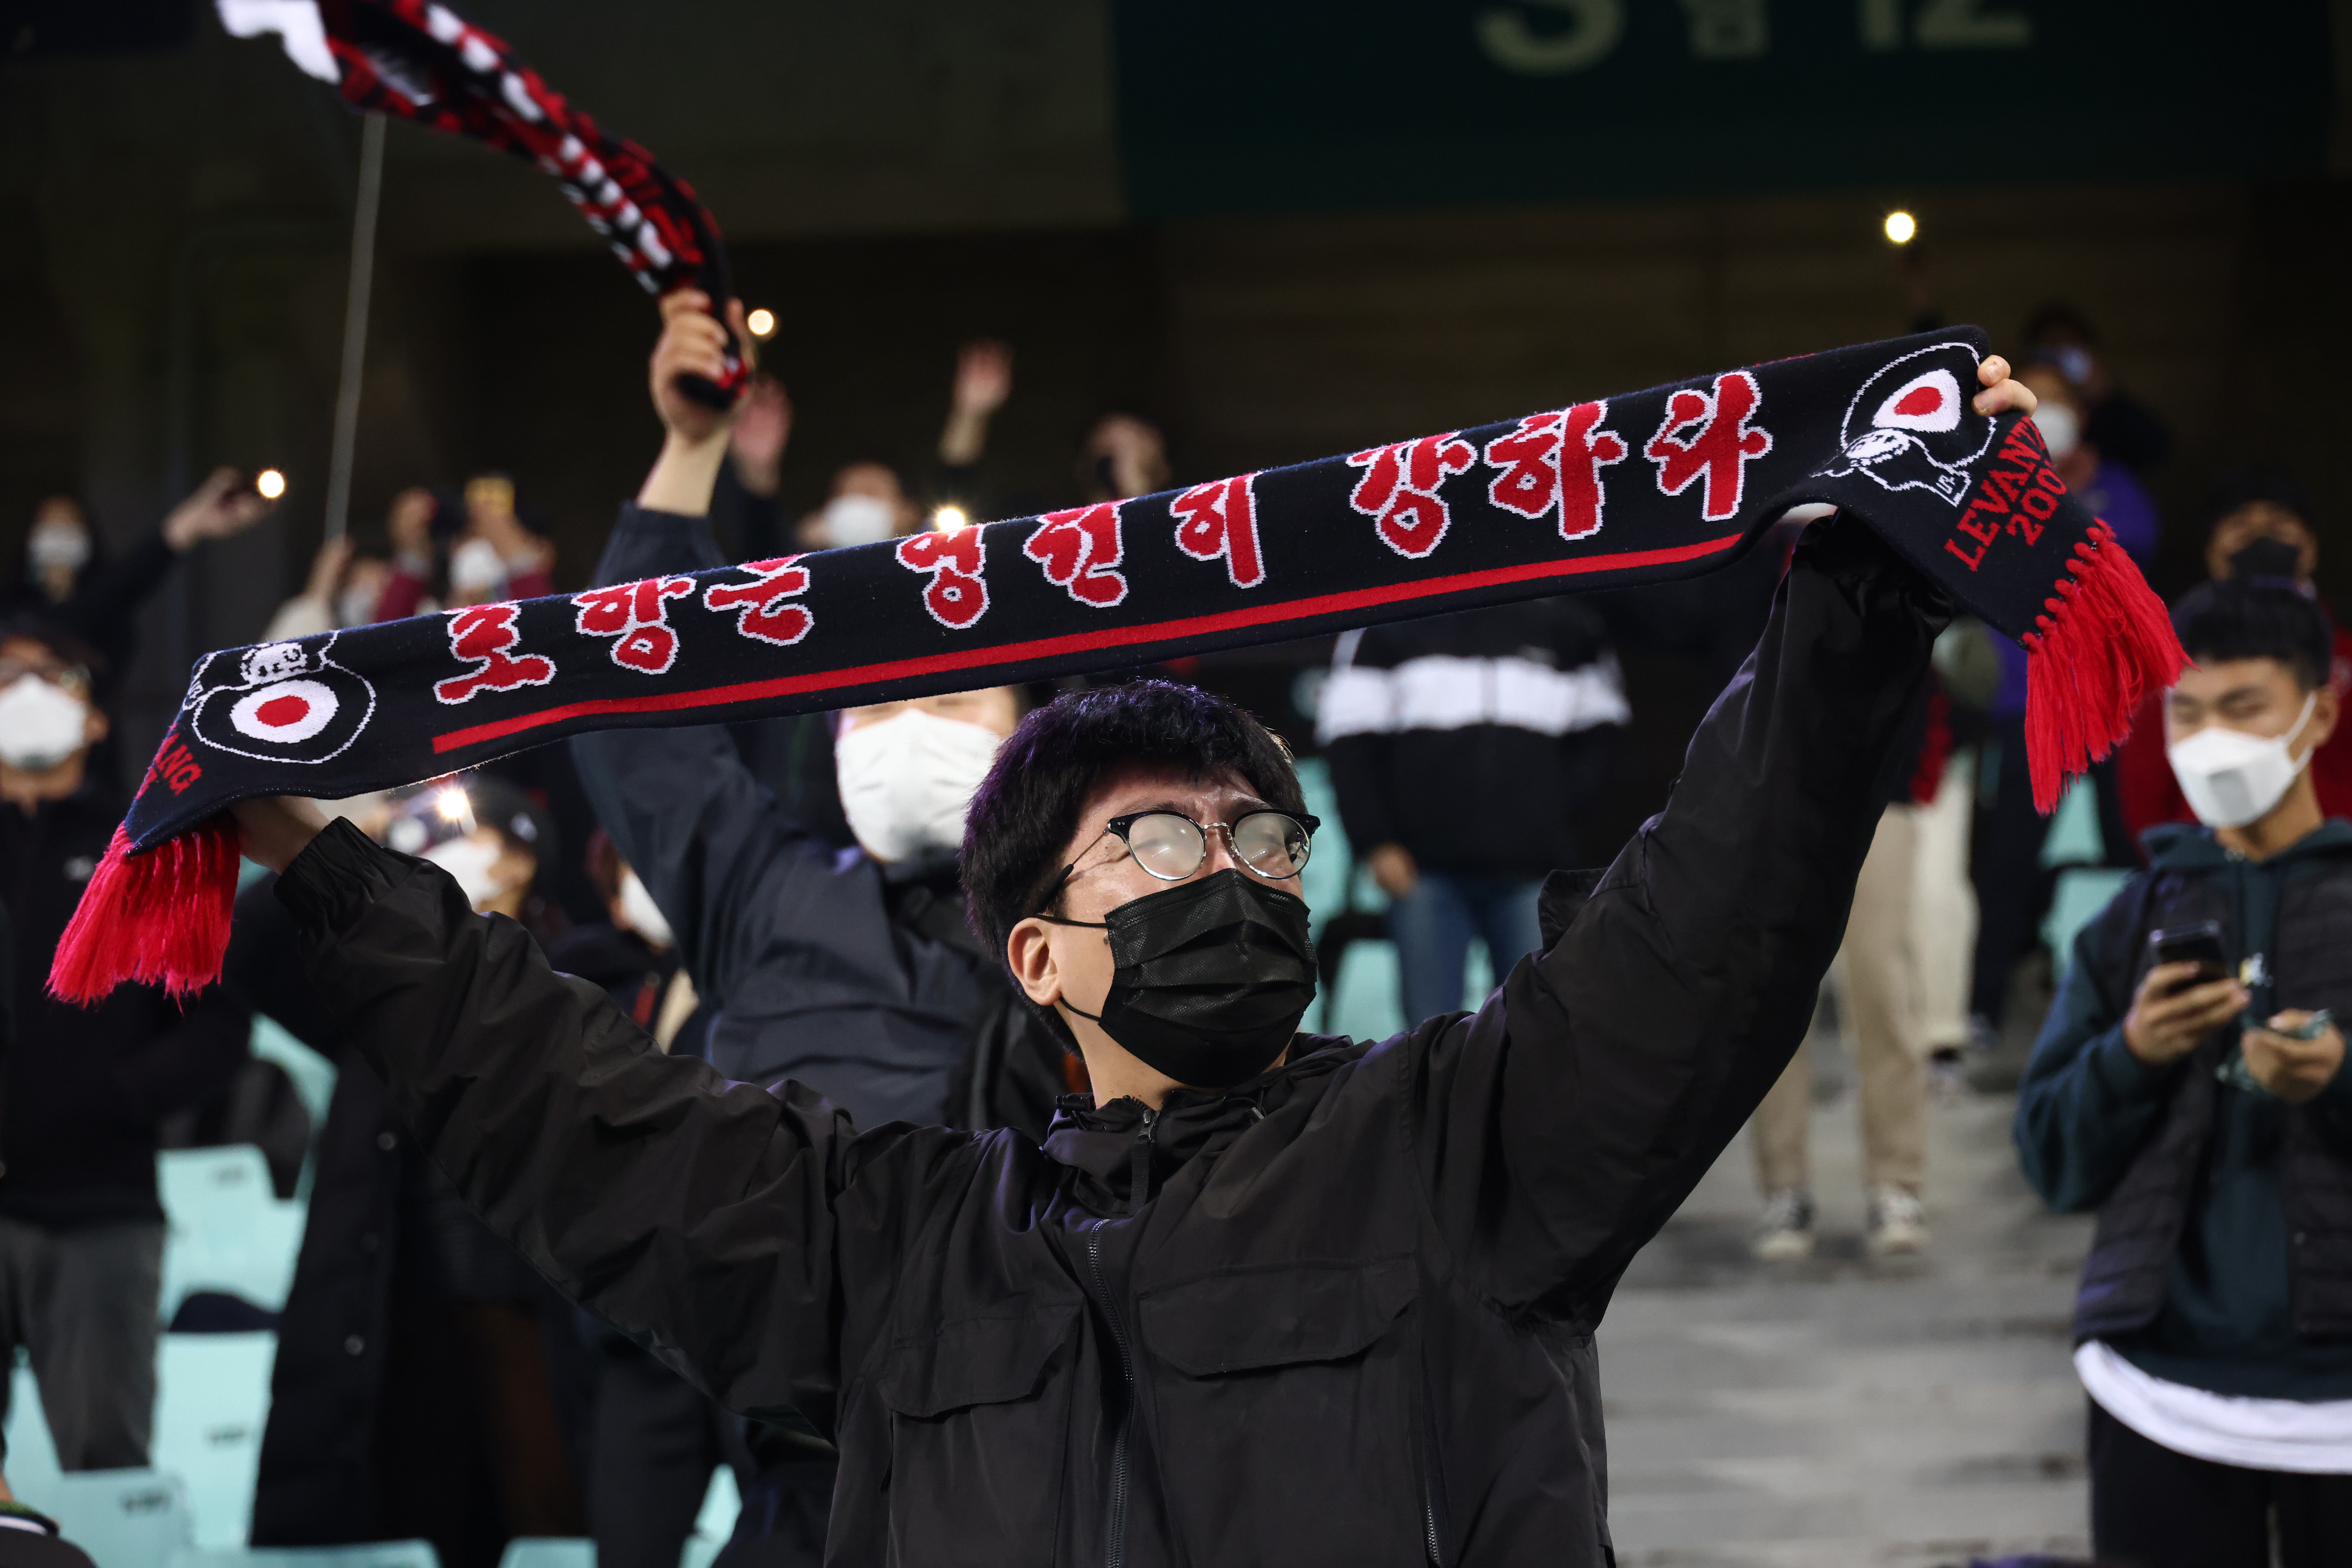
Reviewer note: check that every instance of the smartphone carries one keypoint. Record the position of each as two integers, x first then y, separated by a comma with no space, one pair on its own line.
2199,944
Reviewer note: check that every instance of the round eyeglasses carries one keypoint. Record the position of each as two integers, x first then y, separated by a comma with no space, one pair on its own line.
1171,845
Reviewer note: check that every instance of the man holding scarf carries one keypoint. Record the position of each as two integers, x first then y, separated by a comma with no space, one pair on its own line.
1258,1267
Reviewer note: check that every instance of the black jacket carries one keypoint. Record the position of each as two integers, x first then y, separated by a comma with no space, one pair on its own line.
85,1087
859,980
1340,1314
2223,1255
1475,740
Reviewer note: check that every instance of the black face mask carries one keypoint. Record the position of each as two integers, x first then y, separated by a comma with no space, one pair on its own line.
1213,977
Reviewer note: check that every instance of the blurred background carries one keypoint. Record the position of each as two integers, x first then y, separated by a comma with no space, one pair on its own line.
1274,232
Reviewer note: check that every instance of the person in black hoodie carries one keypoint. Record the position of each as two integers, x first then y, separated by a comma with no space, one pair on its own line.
68,579
2201,1108
81,1230
1463,749
1263,1297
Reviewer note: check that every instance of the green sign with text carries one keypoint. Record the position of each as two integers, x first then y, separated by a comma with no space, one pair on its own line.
1259,106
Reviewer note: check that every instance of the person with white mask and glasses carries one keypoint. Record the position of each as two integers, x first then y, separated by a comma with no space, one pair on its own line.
852,970
2188,1085
82,1091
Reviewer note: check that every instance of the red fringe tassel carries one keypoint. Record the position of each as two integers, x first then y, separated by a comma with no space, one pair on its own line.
157,918
2103,643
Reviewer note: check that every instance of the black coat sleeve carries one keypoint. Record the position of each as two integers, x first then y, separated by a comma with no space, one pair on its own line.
1559,1128
726,1228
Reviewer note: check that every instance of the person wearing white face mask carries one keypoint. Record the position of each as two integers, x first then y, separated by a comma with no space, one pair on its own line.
82,1232
2189,1085
68,579
853,971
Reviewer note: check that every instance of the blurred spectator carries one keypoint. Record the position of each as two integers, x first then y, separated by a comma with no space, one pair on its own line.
1882,967
2202,1109
478,553
2263,531
1462,749
428,1381
68,580
2124,429
344,590
983,380
82,1232
1123,457
2010,831
868,504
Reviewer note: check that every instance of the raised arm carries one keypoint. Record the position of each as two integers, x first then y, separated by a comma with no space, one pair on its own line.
1561,1126
726,1228
742,885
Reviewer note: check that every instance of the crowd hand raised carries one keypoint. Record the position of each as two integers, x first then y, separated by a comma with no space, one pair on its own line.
2169,1016
275,828
2293,1069
764,424
693,342
223,505
983,380
2002,392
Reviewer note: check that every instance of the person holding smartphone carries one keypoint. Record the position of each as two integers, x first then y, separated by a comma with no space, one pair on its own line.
2188,1085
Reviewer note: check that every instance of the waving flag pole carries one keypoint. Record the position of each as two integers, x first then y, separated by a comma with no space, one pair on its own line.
355,319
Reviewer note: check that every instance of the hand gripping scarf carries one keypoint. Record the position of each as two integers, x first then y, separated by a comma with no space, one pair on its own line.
1658,484
424,62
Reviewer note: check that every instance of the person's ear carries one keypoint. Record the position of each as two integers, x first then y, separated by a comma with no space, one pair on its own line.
2325,710
1029,950
93,724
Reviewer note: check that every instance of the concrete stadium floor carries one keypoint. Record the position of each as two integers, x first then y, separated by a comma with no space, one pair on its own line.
1841,1413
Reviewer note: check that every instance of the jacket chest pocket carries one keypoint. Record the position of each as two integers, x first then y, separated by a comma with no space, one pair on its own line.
1286,1415
979,1416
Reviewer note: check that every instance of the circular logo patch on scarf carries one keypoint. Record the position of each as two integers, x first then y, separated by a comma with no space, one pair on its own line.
1910,426
285,712
283,702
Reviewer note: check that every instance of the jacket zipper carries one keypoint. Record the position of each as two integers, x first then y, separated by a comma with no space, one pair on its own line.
1115,1518
1115,1523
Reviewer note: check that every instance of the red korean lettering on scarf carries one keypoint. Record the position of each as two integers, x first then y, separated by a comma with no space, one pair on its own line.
637,616
1080,551
1554,461
957,595
1705,439
1218,521
485,636
1399,489
762,606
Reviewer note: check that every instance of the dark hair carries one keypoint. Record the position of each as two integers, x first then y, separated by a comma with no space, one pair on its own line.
2057,316
1026,808
62,640
2235,619
2252,482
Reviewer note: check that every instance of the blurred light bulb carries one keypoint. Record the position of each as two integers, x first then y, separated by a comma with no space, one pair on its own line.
452,806
1901,226
762,322
270,483
947,518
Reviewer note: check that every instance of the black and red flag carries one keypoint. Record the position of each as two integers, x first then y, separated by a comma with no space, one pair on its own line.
417,60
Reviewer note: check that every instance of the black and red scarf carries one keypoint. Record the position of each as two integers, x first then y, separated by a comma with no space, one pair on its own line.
415,60
1658,484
